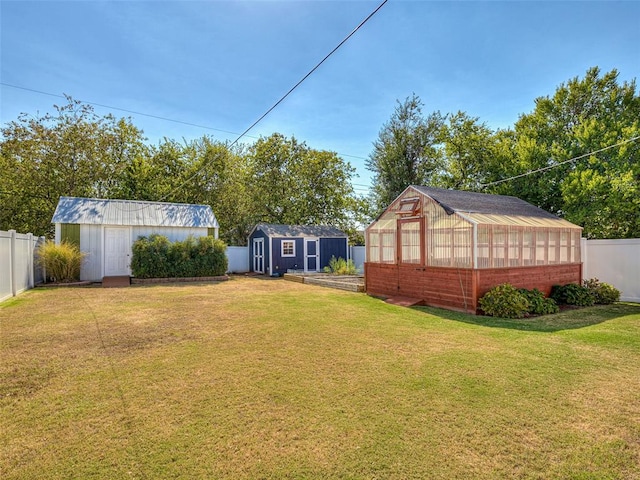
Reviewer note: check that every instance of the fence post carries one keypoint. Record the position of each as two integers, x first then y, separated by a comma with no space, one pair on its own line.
12,262
30,262
584,258
43,270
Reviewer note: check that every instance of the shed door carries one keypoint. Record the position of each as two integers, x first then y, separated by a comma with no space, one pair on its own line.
258,255
311,255
117,251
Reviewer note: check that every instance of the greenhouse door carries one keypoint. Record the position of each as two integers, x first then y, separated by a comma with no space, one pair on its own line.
410,241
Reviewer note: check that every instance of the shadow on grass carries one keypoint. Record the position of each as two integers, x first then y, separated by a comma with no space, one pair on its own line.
566,320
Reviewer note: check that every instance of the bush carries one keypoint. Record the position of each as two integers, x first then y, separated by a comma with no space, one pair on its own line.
603,293
340,266
572,294
156,257
61,262
538,303
504,301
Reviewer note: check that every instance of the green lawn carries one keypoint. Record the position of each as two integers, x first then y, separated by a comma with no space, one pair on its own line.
252,379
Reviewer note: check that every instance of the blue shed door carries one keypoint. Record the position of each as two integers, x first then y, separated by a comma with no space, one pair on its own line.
311,255
258,255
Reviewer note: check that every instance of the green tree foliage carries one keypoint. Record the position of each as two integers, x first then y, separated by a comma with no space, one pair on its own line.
600,192
468,152
406,151
72,152
75,152
291,183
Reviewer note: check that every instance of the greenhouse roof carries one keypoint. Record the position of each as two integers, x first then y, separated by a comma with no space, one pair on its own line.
486,209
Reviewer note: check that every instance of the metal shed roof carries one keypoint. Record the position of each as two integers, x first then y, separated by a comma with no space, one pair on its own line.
277,230
97,211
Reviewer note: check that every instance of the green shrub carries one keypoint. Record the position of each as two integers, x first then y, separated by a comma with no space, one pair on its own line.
603,293
504,301
61,262
156,257
572,294
538,303
340,266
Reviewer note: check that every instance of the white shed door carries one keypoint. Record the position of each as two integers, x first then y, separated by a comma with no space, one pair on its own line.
117,250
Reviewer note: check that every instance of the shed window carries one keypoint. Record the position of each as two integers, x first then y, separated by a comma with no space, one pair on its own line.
288,248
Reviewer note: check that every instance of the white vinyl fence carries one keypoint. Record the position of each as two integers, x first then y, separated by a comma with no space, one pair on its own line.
238,259
358,256
18,263
616,262
612,261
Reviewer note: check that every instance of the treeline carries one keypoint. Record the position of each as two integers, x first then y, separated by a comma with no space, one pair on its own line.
600,192
75,152
276,179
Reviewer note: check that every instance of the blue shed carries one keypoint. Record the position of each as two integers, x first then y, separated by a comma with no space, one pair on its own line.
277,248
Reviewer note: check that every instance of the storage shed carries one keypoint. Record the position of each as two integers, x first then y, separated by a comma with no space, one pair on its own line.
275,249
447,248
106,229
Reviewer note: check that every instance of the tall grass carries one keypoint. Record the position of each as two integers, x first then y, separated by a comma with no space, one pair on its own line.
61,262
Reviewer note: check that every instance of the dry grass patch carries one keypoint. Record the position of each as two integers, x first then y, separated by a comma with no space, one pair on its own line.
257,378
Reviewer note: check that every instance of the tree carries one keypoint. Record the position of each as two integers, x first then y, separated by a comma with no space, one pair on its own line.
73,152
406,151
291,183
468,152
600,192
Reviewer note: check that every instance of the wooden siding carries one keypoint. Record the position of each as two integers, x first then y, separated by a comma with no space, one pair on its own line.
460,288
450,288
540,277
282,264
332,247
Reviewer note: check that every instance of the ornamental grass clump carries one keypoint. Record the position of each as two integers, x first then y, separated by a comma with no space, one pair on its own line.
340,266
61,262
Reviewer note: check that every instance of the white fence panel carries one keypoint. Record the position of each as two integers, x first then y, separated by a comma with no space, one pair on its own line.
6,289
18,269
616,262
238,259
358,257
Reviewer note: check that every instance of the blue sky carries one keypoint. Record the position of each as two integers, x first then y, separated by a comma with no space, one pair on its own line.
222,64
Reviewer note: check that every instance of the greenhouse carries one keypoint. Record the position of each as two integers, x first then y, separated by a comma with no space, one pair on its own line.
447,248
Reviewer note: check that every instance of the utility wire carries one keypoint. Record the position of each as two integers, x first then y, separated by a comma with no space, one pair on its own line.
310,72
244,133
549,167
122,109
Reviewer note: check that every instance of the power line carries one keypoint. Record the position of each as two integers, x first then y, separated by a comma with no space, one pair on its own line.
344,40
271,108
310,71
549,167
158,117
166,119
